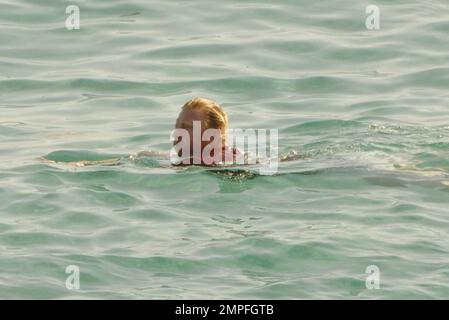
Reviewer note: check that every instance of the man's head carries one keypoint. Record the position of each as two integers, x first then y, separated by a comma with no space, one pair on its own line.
208,112
209,115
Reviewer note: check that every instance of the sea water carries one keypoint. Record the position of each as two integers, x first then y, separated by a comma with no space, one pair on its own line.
363,214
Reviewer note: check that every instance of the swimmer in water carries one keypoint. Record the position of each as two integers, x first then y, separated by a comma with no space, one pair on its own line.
205,115
212,116
208,116
201,115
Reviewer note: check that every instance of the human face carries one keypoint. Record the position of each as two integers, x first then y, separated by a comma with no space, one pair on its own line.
185,121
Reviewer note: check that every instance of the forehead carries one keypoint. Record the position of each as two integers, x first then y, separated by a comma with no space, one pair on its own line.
188,116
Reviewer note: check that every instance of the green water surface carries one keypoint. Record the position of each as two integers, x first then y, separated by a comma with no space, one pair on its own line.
367,110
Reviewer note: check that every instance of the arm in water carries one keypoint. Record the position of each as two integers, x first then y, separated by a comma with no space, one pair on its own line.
68,159
290,156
